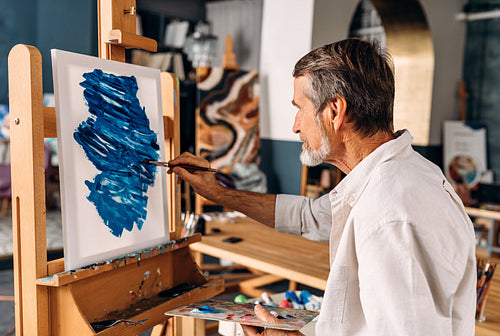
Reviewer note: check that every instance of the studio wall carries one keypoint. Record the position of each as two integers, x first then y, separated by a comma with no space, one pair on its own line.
312,23
46,24
18,20
286,36
482,75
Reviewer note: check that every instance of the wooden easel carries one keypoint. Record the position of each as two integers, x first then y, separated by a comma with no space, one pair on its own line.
125,291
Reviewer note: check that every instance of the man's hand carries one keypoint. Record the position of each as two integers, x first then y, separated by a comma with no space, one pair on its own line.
203,183
253,204
266,316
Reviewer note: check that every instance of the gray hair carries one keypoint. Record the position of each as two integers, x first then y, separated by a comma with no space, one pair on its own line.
358,71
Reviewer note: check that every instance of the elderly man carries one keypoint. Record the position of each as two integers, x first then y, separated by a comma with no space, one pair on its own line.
402,251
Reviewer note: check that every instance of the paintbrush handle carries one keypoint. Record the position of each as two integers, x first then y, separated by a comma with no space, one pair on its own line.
191,167
182,165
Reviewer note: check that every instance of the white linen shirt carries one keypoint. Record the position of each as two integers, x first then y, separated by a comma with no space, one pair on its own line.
402,248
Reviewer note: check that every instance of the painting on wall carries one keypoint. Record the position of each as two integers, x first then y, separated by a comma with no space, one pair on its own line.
464,152
109,121
227,125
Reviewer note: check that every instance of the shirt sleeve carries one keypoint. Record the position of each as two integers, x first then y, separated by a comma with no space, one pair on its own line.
303,216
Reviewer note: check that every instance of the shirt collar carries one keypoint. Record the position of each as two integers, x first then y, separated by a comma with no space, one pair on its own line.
353,183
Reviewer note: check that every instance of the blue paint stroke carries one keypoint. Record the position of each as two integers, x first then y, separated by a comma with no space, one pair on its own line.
206,309
116,138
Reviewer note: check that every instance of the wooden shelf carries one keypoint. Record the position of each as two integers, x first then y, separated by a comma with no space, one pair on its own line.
157,312
67,277
491,216
133,290
128,41
483,213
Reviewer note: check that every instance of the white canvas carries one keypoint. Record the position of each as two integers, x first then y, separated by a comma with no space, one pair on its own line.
103,137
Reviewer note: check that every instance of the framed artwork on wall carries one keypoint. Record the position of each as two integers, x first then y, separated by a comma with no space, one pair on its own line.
464,152
227,125
109,121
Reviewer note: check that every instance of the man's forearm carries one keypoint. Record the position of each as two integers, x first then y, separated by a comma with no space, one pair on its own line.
255,205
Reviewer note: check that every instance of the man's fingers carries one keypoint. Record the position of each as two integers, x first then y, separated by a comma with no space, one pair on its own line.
250,331
187,158
264,315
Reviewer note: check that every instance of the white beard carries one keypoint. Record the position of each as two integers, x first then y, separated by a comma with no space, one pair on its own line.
310,157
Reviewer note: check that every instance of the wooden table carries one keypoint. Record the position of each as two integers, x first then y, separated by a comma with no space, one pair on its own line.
264,249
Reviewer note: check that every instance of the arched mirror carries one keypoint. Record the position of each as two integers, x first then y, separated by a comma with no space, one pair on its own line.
401,27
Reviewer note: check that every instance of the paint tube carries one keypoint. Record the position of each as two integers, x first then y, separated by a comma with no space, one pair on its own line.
292,297
240,299
267,299
309,301
285,304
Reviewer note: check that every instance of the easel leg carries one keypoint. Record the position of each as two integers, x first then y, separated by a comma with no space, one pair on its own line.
179,326
159,329
198,258
192,326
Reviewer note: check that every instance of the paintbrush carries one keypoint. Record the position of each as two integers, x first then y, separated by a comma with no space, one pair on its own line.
182,165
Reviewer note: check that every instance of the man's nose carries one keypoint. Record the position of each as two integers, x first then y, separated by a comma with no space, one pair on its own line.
296,124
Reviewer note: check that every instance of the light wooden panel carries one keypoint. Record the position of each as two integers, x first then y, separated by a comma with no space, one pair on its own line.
170,106
112,16
409,41
28,189
263,248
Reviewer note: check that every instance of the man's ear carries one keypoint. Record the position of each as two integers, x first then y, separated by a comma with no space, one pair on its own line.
337,112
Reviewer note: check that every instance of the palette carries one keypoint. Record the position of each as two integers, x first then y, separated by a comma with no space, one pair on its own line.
218,310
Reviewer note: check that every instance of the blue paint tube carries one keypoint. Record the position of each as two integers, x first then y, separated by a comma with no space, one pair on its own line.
309,301
293,298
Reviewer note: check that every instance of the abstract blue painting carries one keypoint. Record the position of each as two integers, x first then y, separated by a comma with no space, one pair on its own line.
116,138
109,121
